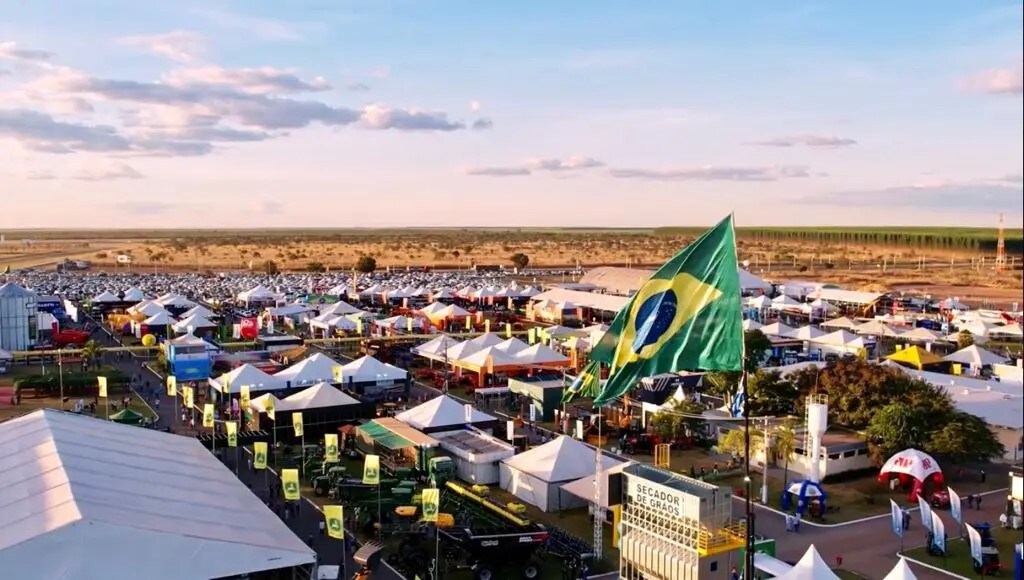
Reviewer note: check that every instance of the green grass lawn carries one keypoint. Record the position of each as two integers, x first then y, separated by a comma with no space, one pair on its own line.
958,557
31,404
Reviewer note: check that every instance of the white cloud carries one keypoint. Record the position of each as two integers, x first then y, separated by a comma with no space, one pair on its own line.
573,163
106,172
262,28
482,123
11,51
264,80
178,45
382,117
811,141
765,173
496,171
978,195
1000,81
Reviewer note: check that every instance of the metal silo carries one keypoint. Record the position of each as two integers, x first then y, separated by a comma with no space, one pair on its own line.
17,317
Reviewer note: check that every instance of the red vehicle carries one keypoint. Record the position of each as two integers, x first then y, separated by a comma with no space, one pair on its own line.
63,338
939,499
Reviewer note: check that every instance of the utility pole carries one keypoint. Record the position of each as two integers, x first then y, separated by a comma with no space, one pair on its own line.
1001,246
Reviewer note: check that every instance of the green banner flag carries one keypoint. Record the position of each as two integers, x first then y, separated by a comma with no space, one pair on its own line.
587,385
687,316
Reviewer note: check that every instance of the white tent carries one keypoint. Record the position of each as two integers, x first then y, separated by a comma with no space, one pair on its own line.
749,282
189,339
134,294
105,297
749,324
76,487
465,349
511,346
434,349
341,308
258,293
441,413
901,571
259,404
489,357
452,311
314,369
257,380
195,321
761,302
776,329
583,487
333,322
175,301
840,338
805,333
875,328
368,369
159,319
198,310
842,322
975,356
147,308
920,334
783,302
433,310
810,567
540,354
319,396
536,476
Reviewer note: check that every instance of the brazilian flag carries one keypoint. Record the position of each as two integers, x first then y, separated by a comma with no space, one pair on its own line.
587,385
687,316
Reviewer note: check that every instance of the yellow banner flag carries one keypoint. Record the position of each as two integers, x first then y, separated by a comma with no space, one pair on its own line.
244,398
172,386
208,415
469,323
269,408
259,455
102,382
371,470
958,369
334,514
297,423
331,448
290,484
408,324
189,395
431,504
232,429
508,330
487,325
336,373
533,335
359,326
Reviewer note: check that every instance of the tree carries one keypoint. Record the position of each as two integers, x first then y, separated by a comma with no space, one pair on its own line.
725,383
366,264
682,420
770,394
755,343
964,339
91,351
965,438
520,260
784,444
896,427
733,442
270,267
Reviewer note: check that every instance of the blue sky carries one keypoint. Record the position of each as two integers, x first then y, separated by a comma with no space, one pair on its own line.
393,113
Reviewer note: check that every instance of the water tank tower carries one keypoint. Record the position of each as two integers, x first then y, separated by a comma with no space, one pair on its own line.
18,313
817,425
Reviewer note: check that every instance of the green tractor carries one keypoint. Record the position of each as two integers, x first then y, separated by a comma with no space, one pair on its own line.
323,482
440,470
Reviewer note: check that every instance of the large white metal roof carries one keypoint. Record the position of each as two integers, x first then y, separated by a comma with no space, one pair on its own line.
159,505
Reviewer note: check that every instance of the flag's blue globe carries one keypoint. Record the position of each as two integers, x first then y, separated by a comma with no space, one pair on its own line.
654,318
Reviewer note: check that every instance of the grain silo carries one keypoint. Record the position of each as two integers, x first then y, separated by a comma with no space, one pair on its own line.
17,317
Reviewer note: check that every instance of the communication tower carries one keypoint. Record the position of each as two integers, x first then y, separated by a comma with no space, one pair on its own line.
1001,245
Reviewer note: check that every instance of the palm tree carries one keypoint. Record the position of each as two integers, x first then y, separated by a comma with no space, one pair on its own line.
785,447
91,351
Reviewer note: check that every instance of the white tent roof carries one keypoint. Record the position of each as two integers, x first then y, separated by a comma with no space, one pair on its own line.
433,309
76,487
176,300
749,281
975,356
247,374
318,396
198,310
559,460
464,349
189,339
841,322
260,403
921,333
340,307
901,571
106,296
148,308
490,355
583,487
441,411
810,567
912,462
749,324
134,294
307,371
159,319
195,321
259,292
840,338
776,329
452,311
539,354
435,347
368,368
875,328
805,333
511,346
760,302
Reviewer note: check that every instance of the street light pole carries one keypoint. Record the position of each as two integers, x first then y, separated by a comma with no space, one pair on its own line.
60,375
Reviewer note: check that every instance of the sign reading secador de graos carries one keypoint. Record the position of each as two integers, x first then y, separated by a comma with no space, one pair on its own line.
655,497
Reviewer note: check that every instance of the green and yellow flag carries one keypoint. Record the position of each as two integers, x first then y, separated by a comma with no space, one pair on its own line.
336,371
532,335
290,484
508,330
687,316
371,470
269,408
244,397
334,514
431,503
172,386
297,423
189,397
586,385
208,415
102,382
232,430
259,455
331,448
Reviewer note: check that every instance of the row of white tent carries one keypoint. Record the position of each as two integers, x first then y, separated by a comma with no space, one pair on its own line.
156,313
467,293
812,566
489,349
877,328
312,370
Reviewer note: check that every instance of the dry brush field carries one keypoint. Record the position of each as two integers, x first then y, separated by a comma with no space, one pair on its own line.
866,258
